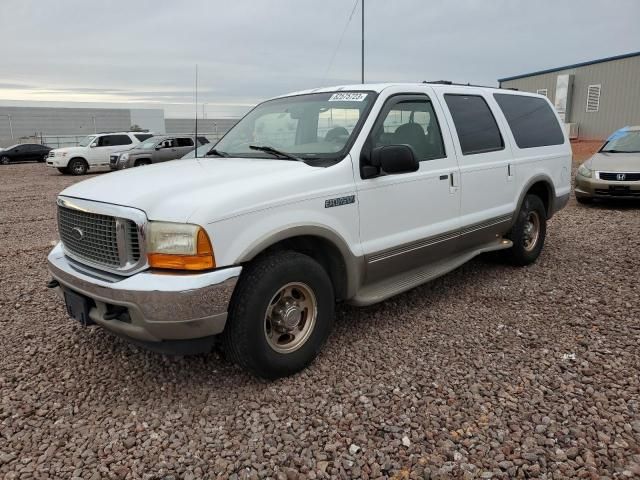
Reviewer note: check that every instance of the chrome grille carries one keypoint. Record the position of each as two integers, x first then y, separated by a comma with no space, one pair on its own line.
93,237
620,176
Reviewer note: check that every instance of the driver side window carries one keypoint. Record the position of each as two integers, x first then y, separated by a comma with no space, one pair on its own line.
410,122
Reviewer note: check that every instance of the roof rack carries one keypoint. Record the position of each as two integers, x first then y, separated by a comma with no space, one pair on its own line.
449,82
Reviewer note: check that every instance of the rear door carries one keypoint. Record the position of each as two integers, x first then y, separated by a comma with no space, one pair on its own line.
108,144
183,146
486,163
409,220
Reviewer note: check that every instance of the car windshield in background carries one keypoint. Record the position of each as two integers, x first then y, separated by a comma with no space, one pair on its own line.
202,151
312,126
86,141
623,142
148,145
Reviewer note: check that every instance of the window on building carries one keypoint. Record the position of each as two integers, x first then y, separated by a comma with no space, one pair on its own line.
542,91
593,98
530,119
477,129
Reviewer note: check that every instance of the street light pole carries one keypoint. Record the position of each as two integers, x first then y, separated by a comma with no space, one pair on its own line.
10,123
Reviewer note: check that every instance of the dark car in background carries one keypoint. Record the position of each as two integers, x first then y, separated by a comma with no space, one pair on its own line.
24,152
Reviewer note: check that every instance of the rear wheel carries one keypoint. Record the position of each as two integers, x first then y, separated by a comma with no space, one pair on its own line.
528,232
142,163
77,166
281,315
4,160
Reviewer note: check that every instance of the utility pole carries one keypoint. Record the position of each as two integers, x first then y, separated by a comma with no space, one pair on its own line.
362,41
10,124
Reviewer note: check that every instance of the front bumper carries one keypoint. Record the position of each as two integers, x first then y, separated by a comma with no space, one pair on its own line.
161,307
57,162
596,188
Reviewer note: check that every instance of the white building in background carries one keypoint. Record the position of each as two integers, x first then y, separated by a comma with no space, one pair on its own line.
59,126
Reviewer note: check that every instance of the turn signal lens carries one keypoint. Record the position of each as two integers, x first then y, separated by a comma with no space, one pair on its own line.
179,247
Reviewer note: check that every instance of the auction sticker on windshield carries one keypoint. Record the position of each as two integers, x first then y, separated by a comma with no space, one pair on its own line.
348,97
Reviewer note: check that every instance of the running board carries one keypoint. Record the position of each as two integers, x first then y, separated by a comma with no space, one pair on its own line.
389,287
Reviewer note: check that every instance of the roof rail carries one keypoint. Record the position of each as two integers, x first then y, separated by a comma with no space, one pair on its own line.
449,82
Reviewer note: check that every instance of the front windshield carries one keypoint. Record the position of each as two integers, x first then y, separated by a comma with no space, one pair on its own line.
86,141
623,142
148,144
202,151
317,125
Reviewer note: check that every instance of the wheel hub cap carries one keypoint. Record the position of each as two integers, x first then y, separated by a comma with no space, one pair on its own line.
290,317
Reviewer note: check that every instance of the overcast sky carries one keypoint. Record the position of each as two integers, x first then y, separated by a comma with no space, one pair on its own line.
123,52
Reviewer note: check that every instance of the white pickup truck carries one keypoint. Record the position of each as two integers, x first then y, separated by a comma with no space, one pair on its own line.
353,194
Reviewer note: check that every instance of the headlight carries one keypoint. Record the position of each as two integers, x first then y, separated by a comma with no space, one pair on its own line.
124,157
179,246
584,171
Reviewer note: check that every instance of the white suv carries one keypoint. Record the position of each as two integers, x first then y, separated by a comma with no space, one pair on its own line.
351,194
93,151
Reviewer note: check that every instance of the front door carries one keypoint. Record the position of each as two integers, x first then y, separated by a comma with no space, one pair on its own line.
409,220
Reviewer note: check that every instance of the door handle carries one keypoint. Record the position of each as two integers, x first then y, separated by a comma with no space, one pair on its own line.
452,180
444,177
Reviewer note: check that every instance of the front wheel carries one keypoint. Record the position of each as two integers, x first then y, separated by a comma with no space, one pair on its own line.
77,166
528,232
4,160
281,315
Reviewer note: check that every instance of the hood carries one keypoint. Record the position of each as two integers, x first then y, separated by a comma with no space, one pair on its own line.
70,150
615,162
175,191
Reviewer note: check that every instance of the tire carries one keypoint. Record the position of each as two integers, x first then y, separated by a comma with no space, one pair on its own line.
584,200
5,160
142,163
528,233
63,170
77,166
252,338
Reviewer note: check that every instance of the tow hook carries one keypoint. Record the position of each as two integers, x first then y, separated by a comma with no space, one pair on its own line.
53,283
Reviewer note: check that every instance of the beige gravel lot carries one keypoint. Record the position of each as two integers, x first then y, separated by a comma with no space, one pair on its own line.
488,372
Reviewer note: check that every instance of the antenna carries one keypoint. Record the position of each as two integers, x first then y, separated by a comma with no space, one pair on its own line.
195,137
362,41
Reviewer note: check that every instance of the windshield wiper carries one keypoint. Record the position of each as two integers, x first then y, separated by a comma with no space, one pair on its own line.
217,153
275,153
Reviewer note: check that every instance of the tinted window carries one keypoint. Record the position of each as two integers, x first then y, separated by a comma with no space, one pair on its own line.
142,136
113,140
531,120
410,122
477,128
185,142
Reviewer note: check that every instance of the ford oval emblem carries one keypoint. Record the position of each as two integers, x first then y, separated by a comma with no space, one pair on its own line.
78,233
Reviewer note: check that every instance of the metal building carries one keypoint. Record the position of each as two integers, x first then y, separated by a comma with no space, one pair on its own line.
594,98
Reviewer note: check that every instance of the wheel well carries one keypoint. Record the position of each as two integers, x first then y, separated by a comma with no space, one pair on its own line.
77,158
543,191
322,251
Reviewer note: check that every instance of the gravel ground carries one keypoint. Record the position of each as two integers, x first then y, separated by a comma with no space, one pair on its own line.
488,372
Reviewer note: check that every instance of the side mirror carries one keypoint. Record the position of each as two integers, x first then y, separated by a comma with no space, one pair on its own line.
158,147
395,159
93,145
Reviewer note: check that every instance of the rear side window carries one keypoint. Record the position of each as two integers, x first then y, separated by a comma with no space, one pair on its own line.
477,129
531,120
142,136
184,142
114,140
